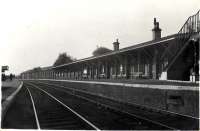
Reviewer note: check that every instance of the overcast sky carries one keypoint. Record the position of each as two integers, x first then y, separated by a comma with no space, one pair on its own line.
34,32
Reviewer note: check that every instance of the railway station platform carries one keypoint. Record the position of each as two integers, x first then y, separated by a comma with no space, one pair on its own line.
102,102
17,111
169,96
163,101
9,91
143,81
8,87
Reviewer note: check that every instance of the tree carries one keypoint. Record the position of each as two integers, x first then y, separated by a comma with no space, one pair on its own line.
100,51
63,58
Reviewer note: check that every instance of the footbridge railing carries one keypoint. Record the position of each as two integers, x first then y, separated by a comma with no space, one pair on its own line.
189,29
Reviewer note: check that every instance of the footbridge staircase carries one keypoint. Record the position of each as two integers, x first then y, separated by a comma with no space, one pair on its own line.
188,34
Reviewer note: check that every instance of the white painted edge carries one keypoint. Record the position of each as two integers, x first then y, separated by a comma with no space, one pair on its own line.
92,125
34,109
161,87
179,81
6,104
14,93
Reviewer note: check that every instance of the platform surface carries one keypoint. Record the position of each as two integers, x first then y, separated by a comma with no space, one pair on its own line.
8,87
139,81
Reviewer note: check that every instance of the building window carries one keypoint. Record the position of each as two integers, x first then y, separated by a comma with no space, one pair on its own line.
111,70
85,71
135,67
146,69
142,68
103,69
132,69
121,69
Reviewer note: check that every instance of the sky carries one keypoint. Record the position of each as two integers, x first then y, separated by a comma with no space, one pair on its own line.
34,32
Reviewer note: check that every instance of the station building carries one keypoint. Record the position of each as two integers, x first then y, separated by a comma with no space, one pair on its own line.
174,57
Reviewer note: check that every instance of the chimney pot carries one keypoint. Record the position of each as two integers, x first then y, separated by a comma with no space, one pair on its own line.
156,30
116,45
154,21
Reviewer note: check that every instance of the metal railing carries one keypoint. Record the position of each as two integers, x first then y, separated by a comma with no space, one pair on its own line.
190,28
192,25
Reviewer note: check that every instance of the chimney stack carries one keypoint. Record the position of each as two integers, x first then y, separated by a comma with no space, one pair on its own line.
156,30
116,45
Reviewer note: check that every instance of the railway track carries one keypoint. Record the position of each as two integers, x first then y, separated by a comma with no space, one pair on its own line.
103,118
20,113
49,106
169,121
50,113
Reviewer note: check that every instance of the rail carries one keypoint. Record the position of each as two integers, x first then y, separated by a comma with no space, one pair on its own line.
60,102
89,97
34,109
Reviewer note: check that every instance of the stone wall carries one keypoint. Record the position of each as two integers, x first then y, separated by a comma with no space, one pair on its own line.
179,100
